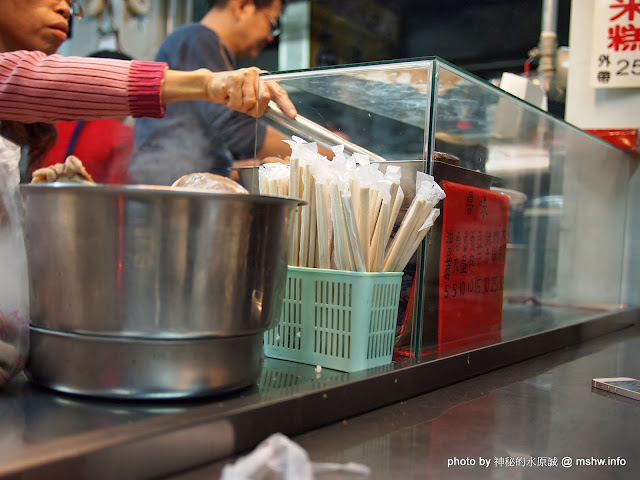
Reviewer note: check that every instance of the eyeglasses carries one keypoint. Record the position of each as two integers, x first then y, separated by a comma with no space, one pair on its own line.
275,26
76,9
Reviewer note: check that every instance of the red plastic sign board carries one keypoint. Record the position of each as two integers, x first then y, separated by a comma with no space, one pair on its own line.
472,258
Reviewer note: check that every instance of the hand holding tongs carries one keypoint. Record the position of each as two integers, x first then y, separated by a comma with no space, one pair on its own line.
305,127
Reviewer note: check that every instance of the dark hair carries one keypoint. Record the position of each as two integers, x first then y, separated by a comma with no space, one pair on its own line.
260,4
110,54
39,137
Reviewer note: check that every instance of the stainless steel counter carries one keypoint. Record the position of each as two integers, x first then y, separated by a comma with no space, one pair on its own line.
522,421
49,435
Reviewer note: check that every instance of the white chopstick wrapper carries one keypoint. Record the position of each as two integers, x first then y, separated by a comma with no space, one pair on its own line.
263,181
427,195
376,249
312,254
422,232
339,229
394,174
324,226
352,236
305,218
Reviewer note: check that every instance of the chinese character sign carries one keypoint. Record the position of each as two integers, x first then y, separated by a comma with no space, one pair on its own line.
472,261
615,44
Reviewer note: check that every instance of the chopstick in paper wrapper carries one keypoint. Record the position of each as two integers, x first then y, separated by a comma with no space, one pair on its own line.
322,204
394,174
428,194
376,252
422,232
324,225
355,247
340,235
305,223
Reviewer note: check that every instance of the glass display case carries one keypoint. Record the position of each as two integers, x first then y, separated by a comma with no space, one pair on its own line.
559,250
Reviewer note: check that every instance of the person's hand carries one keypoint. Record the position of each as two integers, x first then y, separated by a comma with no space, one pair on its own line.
244,91
281,98
238,90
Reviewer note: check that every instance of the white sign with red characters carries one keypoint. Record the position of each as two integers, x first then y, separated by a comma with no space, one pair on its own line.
615,48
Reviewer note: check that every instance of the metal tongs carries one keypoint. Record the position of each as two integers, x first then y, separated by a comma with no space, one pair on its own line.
317,133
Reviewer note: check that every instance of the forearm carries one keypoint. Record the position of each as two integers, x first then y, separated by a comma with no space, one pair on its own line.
182,86
35,87
273,145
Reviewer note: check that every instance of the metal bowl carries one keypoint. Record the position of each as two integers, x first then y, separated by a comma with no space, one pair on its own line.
249,177
126,368
152,262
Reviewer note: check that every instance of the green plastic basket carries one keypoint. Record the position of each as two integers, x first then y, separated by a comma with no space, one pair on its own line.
340,320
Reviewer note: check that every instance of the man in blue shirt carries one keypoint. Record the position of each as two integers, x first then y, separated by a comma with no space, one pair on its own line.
202,136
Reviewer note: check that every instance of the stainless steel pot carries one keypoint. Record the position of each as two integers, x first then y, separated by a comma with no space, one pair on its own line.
120,367
141,261
249,177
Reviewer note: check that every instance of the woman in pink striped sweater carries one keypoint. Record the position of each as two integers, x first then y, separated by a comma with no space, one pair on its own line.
38,86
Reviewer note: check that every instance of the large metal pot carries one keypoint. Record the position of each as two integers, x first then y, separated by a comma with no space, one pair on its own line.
121,367
152,262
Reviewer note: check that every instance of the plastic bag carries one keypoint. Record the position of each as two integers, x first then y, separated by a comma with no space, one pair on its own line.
280,458
14,284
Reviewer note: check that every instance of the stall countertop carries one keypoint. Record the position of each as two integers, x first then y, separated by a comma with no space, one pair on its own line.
521,421
532,408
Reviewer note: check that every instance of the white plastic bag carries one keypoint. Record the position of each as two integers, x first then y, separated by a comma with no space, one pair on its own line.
14,286
280,458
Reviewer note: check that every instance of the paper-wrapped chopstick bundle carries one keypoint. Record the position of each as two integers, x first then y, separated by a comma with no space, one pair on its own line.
303,155
351,208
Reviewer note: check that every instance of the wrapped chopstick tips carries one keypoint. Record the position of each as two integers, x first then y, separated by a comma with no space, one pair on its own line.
273,180
351,209
414,226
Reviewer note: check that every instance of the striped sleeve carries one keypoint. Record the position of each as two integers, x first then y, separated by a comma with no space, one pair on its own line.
35,87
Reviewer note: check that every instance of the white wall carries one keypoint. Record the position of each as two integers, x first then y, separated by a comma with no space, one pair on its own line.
589,107
140,37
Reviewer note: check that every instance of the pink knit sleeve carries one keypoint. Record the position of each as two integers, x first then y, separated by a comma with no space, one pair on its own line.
145,85
35,87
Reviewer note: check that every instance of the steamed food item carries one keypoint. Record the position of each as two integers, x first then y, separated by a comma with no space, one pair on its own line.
209,182
71,171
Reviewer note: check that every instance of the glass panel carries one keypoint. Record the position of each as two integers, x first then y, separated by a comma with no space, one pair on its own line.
382,108
550,200
567,193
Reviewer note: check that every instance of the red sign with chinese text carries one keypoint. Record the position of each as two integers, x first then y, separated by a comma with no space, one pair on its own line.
472,259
